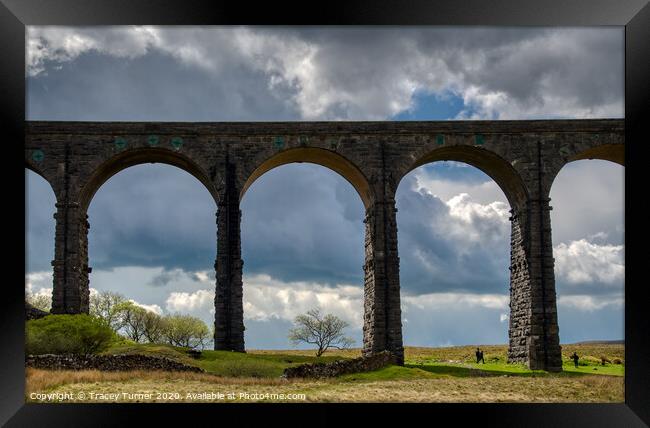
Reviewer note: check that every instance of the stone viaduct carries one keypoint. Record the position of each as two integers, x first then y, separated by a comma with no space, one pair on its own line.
523,158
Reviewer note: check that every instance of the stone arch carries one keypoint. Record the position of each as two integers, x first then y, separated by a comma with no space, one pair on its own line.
611,152
53,207
608,152
323,157
512,184
33,168
570,207
497,168
134,157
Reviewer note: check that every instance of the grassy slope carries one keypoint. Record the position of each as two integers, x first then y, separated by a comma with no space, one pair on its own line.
419,362
257,364
429,375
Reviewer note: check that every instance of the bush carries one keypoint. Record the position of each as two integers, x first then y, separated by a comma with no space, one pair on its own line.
68,334
185,331
39,301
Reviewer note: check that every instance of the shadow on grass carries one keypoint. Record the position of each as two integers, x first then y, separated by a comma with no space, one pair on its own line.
515,371
271,358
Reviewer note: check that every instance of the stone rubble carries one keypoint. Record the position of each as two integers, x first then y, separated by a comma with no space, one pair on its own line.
341,367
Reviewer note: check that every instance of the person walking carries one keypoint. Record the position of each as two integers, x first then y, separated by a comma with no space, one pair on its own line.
479,356
575,358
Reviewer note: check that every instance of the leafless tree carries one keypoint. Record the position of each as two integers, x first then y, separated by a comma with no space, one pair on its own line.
323,331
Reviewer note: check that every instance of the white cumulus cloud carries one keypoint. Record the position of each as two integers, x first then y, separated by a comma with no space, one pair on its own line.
151,308
190,302
582,262
590,303
38,282
266,298
459,301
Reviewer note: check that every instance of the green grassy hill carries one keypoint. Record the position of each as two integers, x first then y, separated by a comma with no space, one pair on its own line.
429,375
457,361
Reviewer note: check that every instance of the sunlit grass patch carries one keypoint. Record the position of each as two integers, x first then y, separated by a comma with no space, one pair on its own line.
256,364
429,375
152,349
388,373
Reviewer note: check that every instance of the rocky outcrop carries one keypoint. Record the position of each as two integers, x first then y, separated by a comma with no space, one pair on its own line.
106,363
33,313
338,368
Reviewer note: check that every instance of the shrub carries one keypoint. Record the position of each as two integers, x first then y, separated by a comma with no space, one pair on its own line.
106,306
67,334
39,301
185,331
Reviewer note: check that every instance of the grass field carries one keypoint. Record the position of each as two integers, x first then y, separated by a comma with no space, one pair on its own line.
428,375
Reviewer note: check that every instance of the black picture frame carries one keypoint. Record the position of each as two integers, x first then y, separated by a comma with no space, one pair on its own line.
633,14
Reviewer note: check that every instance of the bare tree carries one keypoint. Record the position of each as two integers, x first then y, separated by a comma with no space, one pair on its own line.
323,331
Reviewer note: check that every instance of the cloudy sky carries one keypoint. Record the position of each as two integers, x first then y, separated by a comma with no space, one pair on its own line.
153,231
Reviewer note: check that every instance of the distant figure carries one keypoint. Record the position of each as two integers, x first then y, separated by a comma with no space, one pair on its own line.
479,356
575,358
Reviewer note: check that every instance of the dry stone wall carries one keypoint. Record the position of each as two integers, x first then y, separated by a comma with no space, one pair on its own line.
337,368
33,313
107,363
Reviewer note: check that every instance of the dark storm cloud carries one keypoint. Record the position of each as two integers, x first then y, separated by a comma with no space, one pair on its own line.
303,222
165,277
339,73
153,87
442,253
152,215
39,223
302,215
201,277
533,66
155,225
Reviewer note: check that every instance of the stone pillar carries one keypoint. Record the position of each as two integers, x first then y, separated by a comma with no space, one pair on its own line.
382,327
228,301
70,294
533,334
